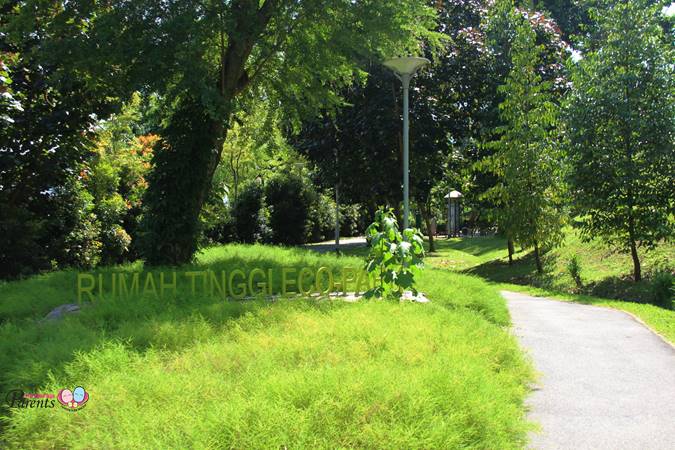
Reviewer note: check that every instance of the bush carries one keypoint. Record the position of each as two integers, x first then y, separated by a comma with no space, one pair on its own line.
82,245
574,269
321,223
663,290
394,257
216,218
289,200
353,220
247,213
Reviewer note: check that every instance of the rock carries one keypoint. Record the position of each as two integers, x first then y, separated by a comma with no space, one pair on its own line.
60,312
419,298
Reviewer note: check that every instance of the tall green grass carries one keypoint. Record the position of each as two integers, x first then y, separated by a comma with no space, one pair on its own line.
200,372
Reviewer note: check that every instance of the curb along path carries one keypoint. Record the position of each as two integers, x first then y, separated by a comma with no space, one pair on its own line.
606,381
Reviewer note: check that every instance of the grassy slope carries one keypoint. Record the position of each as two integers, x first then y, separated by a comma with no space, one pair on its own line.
299,373
605,274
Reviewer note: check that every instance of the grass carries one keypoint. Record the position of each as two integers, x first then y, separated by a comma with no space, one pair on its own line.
605,274
297,373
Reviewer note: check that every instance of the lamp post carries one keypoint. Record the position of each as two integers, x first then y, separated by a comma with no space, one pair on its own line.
405,69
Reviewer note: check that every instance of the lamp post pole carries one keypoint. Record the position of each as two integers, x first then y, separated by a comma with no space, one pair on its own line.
337,202
406,151
405,69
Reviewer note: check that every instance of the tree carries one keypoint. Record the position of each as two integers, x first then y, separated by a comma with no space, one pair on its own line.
363,137
207,58
570,15
246,212
527,158
46,131
621,127
289,199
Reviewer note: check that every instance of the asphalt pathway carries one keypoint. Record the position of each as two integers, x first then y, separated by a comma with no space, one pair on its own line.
606,381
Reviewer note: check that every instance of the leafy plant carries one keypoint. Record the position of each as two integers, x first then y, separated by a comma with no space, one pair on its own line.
246,212
663,290
289,198
321,220
395,258
574,269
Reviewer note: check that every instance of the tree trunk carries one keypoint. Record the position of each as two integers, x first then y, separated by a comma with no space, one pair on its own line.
427,222
537,258
511,251
637,269
180,184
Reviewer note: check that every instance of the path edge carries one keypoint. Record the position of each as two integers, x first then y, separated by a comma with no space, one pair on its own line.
629,314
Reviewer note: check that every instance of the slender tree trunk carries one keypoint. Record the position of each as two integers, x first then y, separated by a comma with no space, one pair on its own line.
427,222
509,244
637,269
537,258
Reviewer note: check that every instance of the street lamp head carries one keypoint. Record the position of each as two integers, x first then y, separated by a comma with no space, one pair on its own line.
407,65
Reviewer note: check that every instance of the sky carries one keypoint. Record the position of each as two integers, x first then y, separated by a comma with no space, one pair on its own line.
669,10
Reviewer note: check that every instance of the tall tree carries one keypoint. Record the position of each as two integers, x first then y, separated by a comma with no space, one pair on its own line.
46,131
527,158
621,128
206,58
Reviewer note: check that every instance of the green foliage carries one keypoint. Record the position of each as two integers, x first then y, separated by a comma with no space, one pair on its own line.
663,289
178,186
116,180
255,147
289,198
216,218
574,269
321,218
394,257
211,60
527,157
620,121
353,220
248,214
81,246
46,136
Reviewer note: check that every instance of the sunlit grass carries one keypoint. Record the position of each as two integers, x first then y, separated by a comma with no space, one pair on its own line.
200,372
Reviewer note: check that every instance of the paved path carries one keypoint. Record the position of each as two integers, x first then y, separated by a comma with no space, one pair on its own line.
607,382
345,243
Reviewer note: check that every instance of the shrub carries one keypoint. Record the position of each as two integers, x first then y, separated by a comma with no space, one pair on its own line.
394,257
82,244
289,199
216,218
352,220
321,223
663,290
247,213
574,269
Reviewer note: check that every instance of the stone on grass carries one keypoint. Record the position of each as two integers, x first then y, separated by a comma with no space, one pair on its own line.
419,298
60,312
